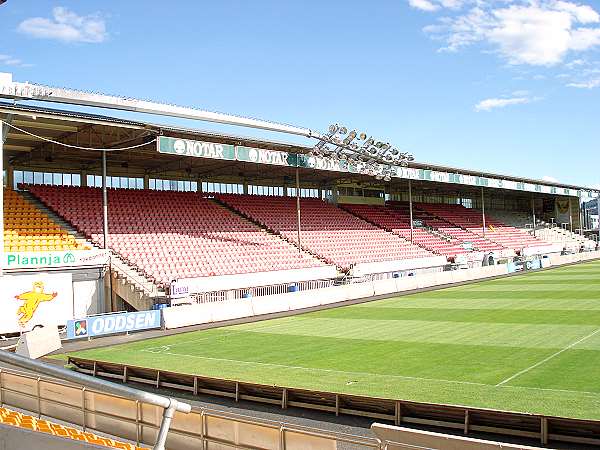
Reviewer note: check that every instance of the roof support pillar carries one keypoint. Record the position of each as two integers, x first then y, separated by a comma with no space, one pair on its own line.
298,208
410,208
533,214
483,210
570,215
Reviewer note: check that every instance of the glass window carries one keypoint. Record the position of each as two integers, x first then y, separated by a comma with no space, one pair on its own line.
18,178
47,178
28,177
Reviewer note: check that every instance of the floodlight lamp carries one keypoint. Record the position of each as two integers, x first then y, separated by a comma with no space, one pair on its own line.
333,128
370,142
395,151
379,144
362,136
343,130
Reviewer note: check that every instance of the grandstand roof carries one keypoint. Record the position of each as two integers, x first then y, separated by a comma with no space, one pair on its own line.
96,130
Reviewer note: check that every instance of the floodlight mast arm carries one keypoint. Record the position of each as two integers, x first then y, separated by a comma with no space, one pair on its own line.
27,91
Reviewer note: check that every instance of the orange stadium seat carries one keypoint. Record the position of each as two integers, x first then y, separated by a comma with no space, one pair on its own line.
17,419
27,229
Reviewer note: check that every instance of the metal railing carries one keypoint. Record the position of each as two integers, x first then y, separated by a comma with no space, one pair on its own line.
169,405
103,412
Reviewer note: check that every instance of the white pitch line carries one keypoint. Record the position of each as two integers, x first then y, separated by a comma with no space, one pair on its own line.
403,377
548,358
316,368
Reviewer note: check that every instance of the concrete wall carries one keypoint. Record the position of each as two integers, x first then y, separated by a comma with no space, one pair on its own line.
181,316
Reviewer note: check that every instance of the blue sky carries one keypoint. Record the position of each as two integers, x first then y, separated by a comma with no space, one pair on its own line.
496,85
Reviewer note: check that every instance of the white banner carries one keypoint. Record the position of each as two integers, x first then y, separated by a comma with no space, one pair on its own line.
30,300
36,260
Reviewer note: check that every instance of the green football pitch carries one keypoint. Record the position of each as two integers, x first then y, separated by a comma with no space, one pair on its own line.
528,343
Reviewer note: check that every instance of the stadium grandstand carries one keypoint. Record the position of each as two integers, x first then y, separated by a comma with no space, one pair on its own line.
106,213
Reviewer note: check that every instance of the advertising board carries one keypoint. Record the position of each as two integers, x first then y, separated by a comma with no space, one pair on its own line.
39,299
115,323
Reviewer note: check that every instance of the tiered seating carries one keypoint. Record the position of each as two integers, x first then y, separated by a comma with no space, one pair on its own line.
496,231
450,222
17,419
172,235
397,220
336,235
27,229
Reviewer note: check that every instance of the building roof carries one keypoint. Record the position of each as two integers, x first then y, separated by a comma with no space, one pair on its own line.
56,117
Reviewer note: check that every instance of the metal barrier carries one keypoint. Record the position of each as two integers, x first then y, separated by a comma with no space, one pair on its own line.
135,420
169,405
538,427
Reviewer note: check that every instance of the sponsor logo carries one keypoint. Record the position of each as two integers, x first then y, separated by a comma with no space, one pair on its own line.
262,156
179,290
31,300
198,149
69,258
51,259
113,323
81,328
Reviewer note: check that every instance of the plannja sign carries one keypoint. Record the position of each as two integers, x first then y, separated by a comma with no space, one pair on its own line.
34,260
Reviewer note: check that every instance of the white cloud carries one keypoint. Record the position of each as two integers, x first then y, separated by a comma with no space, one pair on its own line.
492,103
532,32
424,5
590,84
66,26
549,179
8,60
434,5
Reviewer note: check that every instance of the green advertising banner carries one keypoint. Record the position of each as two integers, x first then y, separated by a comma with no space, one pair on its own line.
198,149
262,156
228,152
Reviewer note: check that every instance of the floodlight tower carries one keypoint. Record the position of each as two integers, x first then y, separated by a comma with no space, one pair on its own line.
372,157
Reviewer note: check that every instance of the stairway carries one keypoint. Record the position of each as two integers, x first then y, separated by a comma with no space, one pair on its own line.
265,229
80,238
127,282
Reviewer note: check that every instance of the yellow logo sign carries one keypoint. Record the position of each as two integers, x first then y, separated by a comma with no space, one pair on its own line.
31,301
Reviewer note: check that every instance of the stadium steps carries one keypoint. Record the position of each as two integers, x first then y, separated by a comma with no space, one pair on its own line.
133,287
366,219
24,421
561,236
443,219
55,217
266,229
80,240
